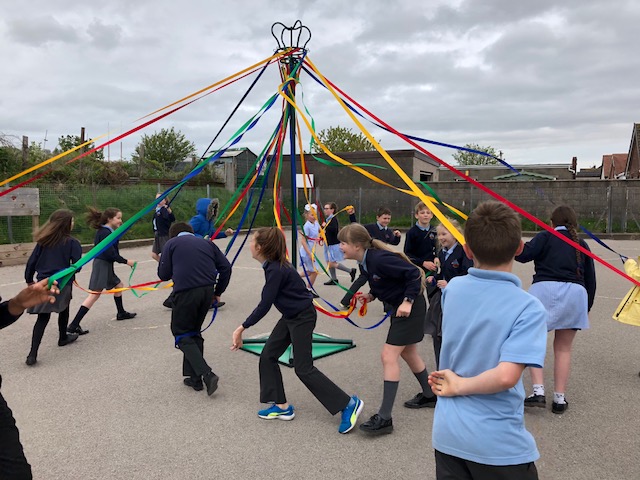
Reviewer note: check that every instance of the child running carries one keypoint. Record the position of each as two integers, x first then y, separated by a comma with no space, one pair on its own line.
452,262
565,283
491,331
285,289
55,250
311,229
399,284
200,272
378,231
103,275
332,253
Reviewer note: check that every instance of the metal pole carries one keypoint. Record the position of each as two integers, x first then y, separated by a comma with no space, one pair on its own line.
298,36
625,212
609,210
292,140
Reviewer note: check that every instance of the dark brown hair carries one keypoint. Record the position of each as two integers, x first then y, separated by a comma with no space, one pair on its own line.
96,219
332,206
383,211
565,216
493,233
273,245
57,229
179,227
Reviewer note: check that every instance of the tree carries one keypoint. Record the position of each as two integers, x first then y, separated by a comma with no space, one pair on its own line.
168,148
67,142
37,154
341,139
10,156
463,157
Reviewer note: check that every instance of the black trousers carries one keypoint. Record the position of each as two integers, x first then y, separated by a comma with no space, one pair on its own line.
449,467
190,308
297,331
13,464
353,289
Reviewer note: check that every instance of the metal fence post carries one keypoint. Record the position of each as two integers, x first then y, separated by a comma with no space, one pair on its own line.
359,204
623,221
609,209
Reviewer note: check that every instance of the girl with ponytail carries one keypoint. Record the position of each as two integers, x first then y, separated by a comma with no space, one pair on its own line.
400,285
103,275
565,282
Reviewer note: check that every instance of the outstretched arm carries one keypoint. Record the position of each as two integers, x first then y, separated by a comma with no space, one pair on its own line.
445,383
34,294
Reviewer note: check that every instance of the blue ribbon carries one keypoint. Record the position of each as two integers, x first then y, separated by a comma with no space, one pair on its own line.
193,334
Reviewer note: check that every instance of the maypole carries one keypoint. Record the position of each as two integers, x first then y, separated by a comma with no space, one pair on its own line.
291,38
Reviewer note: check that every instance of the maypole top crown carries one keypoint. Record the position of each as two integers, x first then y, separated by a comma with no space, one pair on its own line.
296,36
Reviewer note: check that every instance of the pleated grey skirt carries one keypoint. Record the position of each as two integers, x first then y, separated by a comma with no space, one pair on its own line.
102,275
565,302
63,299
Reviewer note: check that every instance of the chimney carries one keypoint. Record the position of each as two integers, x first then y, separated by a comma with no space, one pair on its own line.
574,166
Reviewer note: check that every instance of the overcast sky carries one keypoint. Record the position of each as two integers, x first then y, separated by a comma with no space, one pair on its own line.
541,81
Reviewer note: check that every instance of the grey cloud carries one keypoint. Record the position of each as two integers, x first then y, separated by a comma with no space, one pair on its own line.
104,36
40,30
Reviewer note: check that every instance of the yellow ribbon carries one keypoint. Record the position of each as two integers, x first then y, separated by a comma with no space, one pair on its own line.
414,190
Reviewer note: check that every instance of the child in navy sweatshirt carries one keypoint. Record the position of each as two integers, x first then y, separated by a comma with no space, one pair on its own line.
55,250
565,283
285,289
378,231
200,272
451,262
399,284
13,463
103,276
421,245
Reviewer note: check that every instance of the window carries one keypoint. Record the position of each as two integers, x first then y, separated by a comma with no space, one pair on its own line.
425,176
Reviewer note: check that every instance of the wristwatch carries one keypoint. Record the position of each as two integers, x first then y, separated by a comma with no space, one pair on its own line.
407,299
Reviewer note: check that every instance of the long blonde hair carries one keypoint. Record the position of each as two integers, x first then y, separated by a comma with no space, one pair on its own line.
356,234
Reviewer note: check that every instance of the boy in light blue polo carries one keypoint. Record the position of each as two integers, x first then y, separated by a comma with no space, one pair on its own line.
491,331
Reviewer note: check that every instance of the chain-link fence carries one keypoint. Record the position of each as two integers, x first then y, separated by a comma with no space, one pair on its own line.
601,206
128,198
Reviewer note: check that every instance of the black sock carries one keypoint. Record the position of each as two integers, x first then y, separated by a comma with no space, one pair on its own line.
388,397
119,306
63,320
423,378
79,316
38,332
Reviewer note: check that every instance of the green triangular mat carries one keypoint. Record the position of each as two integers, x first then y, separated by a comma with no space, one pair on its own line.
322,346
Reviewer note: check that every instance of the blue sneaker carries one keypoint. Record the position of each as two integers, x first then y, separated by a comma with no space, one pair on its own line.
275,411
350,415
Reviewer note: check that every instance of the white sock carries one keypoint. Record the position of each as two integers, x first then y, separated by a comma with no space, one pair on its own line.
558,398
538,389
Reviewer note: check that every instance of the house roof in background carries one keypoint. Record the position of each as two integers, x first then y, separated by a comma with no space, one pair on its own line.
524,175
614,165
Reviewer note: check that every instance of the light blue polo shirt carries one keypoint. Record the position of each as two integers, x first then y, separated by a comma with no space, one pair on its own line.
488,319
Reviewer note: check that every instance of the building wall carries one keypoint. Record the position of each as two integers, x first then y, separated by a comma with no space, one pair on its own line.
411,162
617,201
489,172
